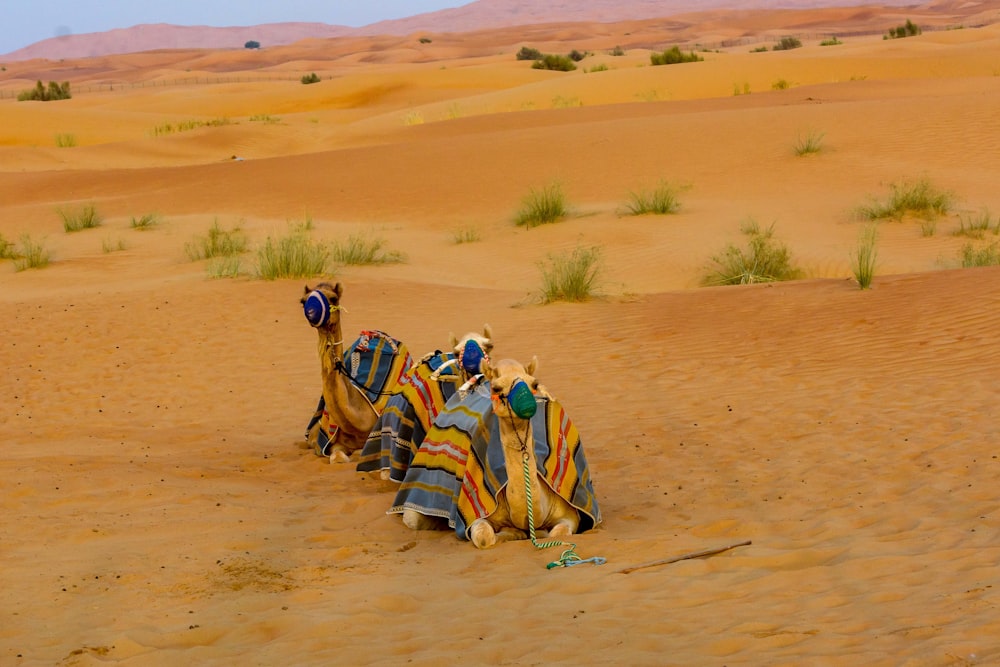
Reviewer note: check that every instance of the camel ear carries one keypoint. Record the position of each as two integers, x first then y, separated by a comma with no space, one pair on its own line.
488,332
338,289
486,368
532,366
454,340
306,289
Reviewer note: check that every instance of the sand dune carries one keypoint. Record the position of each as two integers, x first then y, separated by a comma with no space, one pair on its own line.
158,503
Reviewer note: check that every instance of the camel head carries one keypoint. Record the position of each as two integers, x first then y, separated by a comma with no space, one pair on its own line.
472,348
321,304
512,387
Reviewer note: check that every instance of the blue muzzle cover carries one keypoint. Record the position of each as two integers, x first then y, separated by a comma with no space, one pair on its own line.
317,308
472,357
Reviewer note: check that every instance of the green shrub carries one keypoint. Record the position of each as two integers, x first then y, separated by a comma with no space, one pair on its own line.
294,256
542,206
251,44
984,255
976,226
31,255
759,49
917,197
617,51
425,40
598,68
145,222
571,276
781,84
65,140
111,245
265,118
85,217
908,29
528,53
310,78
763,260
554,62
659,200
218,242
224,267
865,256
40,93
576,56
833,41
6,248
809,144
674,56
363,249
787,44
466,235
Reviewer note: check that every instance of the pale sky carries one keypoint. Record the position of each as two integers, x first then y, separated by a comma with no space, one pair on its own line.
24,22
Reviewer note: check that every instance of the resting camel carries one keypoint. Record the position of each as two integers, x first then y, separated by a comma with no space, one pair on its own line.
425,390
512,388
349,410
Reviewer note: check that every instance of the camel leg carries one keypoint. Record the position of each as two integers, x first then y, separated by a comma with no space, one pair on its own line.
338,454
564,528
484,535
414,520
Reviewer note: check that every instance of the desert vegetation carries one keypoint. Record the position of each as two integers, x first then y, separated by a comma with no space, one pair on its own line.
295,255
571,276
661,199
364,249
41,93
811,142
762,259
309,78
977,225
79,218
216,242
144,222
555,62
31,254
908,29
65,140
787,44
187,125
973,255
674,56
909,197
865,256
541,206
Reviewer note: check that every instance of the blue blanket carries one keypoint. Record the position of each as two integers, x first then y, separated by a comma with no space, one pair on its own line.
459,469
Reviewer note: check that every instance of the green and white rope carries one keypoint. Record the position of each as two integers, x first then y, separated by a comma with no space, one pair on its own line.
569,556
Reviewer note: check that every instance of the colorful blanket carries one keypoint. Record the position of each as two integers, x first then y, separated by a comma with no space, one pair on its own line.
458,470
377,362
407,418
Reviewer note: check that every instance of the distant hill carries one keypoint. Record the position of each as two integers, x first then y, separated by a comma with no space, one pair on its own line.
477,15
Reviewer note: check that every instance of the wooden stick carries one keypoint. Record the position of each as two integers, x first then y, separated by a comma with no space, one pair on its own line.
696,554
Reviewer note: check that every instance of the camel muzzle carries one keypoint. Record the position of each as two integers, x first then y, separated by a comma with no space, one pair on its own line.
317,309
521,400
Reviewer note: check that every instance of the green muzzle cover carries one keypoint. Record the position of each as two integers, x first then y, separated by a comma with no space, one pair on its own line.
521,400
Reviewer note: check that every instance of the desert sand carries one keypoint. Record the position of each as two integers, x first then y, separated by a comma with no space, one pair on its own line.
158,504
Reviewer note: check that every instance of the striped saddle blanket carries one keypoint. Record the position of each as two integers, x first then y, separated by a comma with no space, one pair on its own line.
458,470
377,362
407,418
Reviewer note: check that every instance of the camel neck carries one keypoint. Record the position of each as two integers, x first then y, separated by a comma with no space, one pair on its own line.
518,447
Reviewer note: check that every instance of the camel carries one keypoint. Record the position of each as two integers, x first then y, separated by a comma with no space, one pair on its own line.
427,387
513,388
348,409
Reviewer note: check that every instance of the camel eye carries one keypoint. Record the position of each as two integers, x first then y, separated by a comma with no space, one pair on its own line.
534,385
